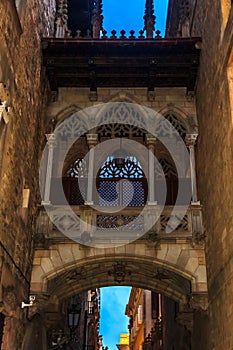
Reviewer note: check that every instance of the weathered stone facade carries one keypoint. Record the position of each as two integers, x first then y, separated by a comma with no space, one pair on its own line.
213,22
215,163
28,110
23,89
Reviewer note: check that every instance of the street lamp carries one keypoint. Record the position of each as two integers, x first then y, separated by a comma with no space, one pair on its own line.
73,319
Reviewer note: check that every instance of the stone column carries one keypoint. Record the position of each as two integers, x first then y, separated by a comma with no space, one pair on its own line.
51,145
190,142
151,140
91,141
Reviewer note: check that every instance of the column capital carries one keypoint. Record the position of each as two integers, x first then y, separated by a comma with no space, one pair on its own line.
190,139
92,140
150,140
51,139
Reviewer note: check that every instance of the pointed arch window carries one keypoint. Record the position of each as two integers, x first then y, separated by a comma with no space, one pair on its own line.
75,182
165,130
125,185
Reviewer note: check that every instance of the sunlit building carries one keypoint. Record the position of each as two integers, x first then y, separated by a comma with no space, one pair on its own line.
154,322
124,342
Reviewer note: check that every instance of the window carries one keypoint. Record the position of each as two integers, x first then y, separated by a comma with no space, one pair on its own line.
140,314
121,185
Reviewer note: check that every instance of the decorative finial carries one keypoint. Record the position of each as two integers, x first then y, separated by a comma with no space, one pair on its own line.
149,19
97,18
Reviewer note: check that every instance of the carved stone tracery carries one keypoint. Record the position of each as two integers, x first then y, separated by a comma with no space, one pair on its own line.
165,130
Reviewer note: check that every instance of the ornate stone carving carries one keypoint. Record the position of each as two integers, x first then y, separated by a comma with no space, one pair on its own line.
161,274
97,18
61,19
119,271
190,139
152,237
150,95
72,129
165,130
185,319
78,274
149,19
78,169
198,239
198,301
124,111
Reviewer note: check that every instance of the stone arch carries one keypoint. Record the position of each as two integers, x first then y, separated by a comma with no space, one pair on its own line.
124,113
182,115
69,268
58,118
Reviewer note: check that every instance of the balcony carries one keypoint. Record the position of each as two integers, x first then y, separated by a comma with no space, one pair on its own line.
123,225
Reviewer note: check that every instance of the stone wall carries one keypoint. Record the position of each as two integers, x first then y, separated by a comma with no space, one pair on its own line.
22,80
215,164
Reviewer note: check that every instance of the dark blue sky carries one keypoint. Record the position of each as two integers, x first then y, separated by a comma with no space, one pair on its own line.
128,14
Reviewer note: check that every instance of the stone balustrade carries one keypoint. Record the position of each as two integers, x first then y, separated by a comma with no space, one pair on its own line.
113,35
127,224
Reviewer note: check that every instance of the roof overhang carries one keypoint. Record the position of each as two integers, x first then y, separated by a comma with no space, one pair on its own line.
97,63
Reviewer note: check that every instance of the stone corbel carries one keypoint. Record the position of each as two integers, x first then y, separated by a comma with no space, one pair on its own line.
190,96
150,95
198,301
93,96
185,318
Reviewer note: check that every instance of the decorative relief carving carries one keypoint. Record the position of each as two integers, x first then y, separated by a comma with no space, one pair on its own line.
149,19
131,169
164,130
165,168
78,169
120,130
119,271
73,128
183,226
124,111
120,222
198,301
61,19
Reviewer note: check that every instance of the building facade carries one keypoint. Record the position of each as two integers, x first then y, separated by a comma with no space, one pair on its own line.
107,87
154,322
